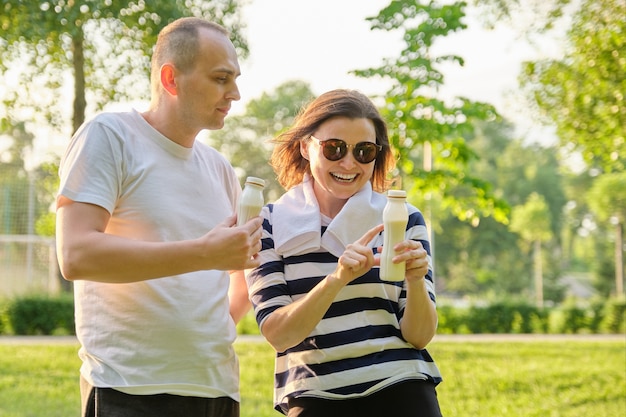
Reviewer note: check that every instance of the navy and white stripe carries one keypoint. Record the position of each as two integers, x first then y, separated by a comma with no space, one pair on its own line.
357,348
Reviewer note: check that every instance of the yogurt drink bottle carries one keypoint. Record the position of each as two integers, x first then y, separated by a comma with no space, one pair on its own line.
395,219
251,201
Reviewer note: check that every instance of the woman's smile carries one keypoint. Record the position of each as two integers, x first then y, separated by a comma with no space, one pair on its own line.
345,178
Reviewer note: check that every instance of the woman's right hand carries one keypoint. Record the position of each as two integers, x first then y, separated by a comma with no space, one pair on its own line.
358,258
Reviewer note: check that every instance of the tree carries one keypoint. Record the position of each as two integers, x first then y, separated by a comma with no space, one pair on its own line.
478,260
607,198
483,261
583,94
105,45
532,222
576,210
424,129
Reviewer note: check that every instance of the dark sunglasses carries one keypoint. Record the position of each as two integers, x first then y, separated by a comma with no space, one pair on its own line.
335,149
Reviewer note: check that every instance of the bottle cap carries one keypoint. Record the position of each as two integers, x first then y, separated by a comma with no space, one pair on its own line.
255,180
396,194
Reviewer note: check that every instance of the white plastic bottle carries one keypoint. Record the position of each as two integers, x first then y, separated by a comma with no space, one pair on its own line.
395,219
251,201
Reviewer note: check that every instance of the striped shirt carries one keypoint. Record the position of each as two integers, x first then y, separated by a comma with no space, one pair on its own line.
357,348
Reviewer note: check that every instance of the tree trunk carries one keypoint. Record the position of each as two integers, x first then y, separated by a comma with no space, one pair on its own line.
619,259
538,273
79,80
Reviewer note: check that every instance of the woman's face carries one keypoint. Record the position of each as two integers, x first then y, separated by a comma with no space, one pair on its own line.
337,181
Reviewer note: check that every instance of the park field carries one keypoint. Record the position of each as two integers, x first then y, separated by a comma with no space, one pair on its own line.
483,376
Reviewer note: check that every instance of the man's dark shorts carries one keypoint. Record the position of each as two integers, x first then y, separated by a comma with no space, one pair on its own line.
107,402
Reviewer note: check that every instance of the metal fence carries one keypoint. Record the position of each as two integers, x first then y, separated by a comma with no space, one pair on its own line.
28,264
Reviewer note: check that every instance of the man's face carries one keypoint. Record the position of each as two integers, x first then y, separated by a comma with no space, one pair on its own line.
206,92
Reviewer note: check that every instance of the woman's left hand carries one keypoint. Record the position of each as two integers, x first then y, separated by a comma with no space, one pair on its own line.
415,257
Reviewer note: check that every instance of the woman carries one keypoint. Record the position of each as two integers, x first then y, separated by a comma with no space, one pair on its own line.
347,343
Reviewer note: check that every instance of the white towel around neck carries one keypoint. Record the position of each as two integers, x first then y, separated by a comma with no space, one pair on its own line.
296,220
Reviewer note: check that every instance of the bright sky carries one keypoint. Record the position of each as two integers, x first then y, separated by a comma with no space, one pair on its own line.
316,41
321,41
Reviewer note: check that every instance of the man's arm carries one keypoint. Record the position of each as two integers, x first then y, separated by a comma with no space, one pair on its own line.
86,252
238,296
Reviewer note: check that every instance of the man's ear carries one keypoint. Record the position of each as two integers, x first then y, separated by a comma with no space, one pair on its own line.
168,79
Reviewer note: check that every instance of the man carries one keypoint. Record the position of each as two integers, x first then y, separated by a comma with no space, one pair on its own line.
146,230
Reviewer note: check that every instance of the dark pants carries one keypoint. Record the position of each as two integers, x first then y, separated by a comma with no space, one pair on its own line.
406,399
107,402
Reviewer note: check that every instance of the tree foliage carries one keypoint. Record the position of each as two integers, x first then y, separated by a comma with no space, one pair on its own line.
607,198
102,47
529,16
485,261
583,94
418,120
532,219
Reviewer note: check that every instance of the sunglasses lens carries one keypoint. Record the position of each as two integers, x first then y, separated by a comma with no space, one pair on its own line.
365,152
334,149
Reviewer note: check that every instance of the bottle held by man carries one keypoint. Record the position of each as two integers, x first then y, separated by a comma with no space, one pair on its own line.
251,201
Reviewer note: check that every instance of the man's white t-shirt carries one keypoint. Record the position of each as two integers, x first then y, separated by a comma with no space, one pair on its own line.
169,335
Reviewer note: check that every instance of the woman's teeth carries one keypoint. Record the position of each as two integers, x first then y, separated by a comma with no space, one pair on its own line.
344,177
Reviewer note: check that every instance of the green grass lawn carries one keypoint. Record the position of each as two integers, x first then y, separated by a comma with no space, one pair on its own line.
564,378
